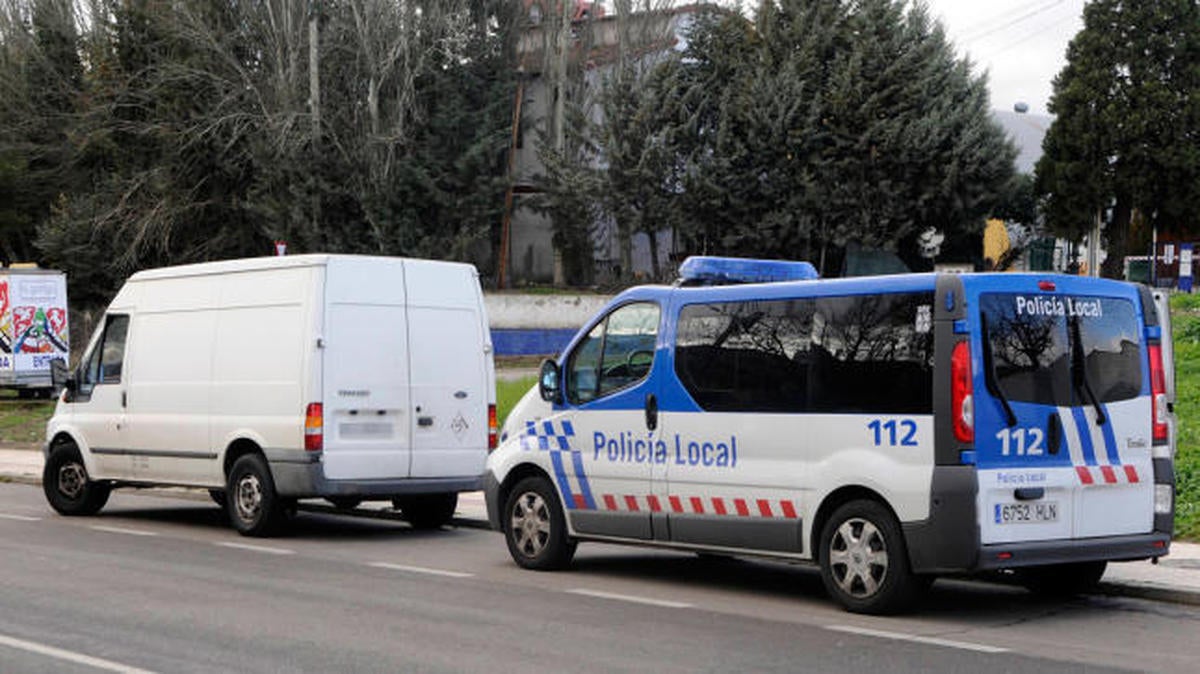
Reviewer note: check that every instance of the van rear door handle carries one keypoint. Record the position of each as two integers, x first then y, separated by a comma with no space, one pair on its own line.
124,398
424,422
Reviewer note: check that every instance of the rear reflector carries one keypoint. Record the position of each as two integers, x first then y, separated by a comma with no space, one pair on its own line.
314,427
962,401
1158,391
1046,285
493,429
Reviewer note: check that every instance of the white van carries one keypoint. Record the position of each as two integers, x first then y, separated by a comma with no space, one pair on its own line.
268,380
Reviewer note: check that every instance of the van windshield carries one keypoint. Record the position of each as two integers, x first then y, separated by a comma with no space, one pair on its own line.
1050,349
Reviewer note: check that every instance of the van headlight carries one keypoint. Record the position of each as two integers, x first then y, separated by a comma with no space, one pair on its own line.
1164,499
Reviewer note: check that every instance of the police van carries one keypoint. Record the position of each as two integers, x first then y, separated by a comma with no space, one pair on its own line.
890,429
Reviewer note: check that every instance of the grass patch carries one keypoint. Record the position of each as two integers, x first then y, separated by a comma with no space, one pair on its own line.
509,392
1185,323
23,421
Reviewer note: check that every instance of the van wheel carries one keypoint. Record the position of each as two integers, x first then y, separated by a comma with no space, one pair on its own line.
344,502
427,511
864,563
67,486
253,505
534,526
1062,580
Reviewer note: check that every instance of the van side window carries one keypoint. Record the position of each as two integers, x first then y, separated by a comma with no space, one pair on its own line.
746,356
104,364
617,353
874,354
862,354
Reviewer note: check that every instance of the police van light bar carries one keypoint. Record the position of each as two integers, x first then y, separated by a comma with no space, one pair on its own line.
701,270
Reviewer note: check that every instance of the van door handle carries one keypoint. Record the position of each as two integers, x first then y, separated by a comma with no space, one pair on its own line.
651,411
424,422
124,398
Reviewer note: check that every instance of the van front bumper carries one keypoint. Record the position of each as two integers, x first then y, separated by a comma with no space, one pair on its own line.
303,476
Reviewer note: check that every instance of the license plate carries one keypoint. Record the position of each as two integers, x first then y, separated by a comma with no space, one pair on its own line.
1026,513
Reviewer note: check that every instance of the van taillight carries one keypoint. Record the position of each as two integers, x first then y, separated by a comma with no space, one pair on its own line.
493,429
961,399
1158,391
314,428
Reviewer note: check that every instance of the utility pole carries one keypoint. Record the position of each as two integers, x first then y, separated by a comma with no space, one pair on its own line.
314,100
560,103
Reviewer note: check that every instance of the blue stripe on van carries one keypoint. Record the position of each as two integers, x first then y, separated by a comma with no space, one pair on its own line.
577,460
1110,440
560,476
1085,436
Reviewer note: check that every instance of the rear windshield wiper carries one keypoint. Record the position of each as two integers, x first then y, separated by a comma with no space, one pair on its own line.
1079,378
989,373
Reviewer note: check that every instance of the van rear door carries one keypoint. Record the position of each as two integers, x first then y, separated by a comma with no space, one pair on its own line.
451,369
1062,409
365,383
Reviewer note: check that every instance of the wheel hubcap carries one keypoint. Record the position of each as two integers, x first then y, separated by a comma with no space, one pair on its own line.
530,524
858,558
72,478
248,497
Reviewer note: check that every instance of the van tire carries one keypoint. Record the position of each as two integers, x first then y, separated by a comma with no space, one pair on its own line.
253,506
864,561
534,526
1062,580
427,511
67,486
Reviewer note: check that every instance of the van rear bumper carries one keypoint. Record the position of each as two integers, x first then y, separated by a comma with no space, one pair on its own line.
306,478
1113,548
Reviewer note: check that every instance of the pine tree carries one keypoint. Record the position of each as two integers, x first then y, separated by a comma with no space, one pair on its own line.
1124,140
827,123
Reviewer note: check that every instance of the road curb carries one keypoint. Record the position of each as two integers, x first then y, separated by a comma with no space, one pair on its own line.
1136,590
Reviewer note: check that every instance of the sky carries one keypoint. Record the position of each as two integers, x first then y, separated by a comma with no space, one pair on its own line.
1021,44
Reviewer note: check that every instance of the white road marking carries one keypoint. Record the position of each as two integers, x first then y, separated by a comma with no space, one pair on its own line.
19,518
120,530
421,569
933,641
69,656
256,548
629,598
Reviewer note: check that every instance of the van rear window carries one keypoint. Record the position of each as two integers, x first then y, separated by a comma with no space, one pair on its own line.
1050,349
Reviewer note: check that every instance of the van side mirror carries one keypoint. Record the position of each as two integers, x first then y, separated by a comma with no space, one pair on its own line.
60,376
548,382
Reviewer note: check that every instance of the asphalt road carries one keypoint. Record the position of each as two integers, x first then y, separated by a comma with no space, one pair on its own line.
162,584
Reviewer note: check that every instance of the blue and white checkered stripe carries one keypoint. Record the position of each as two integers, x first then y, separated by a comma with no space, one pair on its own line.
544,437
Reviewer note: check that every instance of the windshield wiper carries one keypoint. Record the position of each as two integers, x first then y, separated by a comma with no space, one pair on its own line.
989,373
1079,379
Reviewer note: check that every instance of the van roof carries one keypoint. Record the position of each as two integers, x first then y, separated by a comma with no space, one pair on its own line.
267,262
896,283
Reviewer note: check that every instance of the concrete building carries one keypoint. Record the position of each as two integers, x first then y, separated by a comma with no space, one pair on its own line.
591,54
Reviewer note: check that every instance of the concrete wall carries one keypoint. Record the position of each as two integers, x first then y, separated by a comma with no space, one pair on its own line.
537,325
